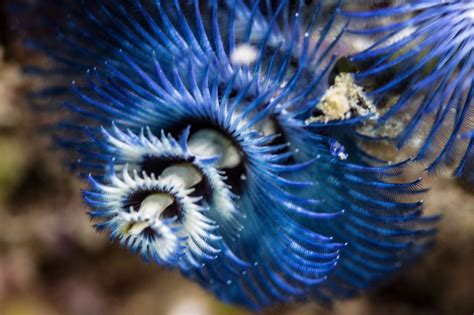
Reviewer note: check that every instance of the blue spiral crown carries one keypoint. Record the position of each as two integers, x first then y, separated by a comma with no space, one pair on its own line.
195,123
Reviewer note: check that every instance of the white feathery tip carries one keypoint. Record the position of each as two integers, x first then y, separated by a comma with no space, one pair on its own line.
243,55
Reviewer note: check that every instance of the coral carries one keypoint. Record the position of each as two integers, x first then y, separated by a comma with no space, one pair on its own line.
343,100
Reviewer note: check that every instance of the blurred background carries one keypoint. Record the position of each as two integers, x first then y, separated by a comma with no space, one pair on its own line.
53,262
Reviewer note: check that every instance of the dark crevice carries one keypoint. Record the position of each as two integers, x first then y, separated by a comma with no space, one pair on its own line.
4,36
156,165
150,234
172,211
203,189
233,175
317,112
282,139
342,65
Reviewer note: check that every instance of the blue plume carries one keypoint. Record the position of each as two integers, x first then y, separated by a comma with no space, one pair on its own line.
189,120
423,55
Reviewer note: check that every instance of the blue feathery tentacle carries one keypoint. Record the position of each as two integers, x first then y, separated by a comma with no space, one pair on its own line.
423,55
148,154
234,101
382,225
244,183
184,239
465,170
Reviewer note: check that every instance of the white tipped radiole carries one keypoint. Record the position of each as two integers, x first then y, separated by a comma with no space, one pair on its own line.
160,213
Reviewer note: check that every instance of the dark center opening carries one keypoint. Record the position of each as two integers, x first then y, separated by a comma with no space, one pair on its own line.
156,165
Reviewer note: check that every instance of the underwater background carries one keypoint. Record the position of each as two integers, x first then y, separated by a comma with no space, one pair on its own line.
53,262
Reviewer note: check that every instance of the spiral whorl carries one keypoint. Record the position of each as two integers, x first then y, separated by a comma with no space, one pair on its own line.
190,122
